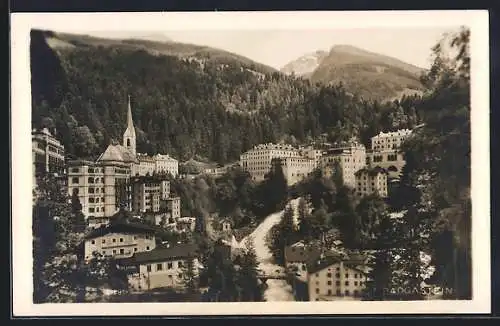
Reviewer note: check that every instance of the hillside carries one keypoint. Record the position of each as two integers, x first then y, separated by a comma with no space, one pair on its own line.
305,65
184,106
370,75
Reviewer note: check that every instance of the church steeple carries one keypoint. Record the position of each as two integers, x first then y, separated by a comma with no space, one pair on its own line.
129,139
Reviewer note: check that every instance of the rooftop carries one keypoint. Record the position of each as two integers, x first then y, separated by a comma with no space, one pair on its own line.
117,153
372,172
162,253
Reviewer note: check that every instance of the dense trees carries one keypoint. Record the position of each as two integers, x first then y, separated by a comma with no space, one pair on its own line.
180,107
59,274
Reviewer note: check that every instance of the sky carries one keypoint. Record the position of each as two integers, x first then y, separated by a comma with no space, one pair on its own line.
278,47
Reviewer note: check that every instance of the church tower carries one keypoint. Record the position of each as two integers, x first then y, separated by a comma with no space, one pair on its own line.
129,140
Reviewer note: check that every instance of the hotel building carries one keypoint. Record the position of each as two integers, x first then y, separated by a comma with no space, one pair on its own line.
147,192
370,181
47,152
333,279
386,152
351,157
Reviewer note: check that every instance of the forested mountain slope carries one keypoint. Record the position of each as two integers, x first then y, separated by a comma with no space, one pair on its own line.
188,107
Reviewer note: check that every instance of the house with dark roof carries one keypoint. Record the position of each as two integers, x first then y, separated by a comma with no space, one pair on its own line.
119,239
371,181
334,277
163,267
298,255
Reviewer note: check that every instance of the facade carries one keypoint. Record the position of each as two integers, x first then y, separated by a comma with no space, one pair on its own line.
163,267
296,169
386,151
174,206
226,225
166,164
102,187
296,163
334,279
351,158
119,240
147,192
390,140
370,181
97,222
391,160
257,161
47,152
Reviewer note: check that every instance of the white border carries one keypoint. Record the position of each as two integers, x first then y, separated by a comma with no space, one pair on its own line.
21,24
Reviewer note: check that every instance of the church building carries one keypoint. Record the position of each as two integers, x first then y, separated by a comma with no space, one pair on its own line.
103,186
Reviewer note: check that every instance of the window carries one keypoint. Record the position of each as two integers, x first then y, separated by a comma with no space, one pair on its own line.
347,292
104,252
338,293
91,200
356,293
180,275
346,283
337,283
93,241
114,251
91,190
74,180
303,267
355,275
135,237
317,291
329,292
355,283
122,251
317,274
347,275
91,180
169,265
103,240
329,275
337,275
179,264
75,170
159,267
135,249
338,269
147,248
91,209
329,282
148,268
114,240
121,239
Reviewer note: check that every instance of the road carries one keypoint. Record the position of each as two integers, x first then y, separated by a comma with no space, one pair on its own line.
277,290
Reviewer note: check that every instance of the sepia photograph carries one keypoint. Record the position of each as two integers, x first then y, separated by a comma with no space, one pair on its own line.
216,160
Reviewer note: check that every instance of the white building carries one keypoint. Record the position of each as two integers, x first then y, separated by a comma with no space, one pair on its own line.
296,162
163,267
47,152
174,206
351,158
370,181
334,279
390,140
119,240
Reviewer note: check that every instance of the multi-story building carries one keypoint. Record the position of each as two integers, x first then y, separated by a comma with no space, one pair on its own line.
296,169
390,160
333,278
371,181
386,151
47,152
162,267
119,240
257,161
351,157
296,163
174,206
166,164
147,192
102,187
390,140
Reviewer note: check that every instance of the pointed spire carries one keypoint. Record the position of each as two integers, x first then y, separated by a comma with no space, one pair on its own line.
130,122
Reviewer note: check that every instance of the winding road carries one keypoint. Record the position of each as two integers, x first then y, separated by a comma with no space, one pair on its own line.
277,290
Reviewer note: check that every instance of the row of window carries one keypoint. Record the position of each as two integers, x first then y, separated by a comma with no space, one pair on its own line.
159,267
339,293
148,237
337,275
96,209
346,283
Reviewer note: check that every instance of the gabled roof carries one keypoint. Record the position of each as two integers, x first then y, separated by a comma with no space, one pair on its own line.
117,153
356,263
162,254
371,172
119,224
